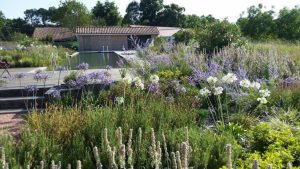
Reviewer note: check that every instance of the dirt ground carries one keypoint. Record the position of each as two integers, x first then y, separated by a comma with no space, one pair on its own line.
11,123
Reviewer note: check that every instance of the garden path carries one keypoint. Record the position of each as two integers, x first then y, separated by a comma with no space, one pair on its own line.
11,123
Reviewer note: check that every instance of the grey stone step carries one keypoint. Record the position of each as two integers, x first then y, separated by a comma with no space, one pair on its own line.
16,91
22,102
18,111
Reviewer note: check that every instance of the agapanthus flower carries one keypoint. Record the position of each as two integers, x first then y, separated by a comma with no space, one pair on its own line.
56,94
153,87
31,88
229,78
180,90
82,80
40,76
262,100
218,90
255,85
127,79
212,80
265,93
119,100
20,75
154,78
204,92
71,83
245,83
60,68
82,66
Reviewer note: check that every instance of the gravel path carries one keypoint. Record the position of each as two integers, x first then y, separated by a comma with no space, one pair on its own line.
11,123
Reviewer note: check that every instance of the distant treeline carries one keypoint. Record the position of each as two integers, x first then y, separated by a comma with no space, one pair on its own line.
256,23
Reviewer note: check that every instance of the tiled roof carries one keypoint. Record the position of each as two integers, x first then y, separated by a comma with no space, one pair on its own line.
163,31
117,30
57,33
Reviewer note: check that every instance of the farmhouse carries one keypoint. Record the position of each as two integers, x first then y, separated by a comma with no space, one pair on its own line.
114,38
56,34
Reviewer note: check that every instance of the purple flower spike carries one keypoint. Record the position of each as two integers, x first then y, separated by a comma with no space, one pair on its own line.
83,66
61,68
40,76
153,87
71,83
56,94
20,75
31,88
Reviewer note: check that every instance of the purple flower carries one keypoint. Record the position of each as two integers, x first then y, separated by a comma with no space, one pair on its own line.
40,76
213,69
61,68
198,75
100,77
20,75
153,87
71,83
241,73
82,80
180,90
31,88
83,66
56,94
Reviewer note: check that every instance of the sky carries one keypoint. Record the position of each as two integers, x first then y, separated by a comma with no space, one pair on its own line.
220,9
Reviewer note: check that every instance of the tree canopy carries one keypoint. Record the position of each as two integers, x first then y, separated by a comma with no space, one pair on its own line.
150,10
106,14
72,13
133,13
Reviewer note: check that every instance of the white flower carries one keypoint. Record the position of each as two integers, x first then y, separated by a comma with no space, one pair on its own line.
127,79
262,100
204,92
218,90
255,85
265,93
137,80
138,83
229,78
154,78
212,80
245,83
119,100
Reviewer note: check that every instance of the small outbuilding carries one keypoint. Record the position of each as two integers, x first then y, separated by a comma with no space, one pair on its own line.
114,38
56,34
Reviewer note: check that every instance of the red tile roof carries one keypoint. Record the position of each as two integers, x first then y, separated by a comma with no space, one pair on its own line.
57,33
112,30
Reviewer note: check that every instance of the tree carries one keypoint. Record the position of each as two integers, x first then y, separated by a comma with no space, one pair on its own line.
185,36
133,13
288,24
217,35
150,9
71,14
39,17
194,21
172,15
106,14
258,24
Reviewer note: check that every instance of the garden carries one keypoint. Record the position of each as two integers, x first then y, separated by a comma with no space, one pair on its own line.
179,108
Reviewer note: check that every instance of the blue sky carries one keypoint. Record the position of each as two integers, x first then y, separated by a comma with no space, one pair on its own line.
218,8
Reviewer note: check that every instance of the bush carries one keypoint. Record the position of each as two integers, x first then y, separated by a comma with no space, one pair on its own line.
218,35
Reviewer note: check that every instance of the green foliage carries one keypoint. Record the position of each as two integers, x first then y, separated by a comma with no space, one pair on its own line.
185,36
217,35
106,14
150,10
171,16
71,14
133,13
288,24
272,144
259,24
